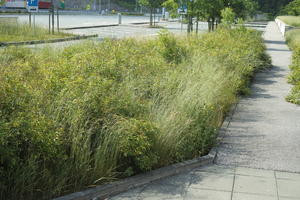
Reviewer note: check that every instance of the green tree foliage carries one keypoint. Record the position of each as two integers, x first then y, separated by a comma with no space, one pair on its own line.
210,11
228,17
293,8
2,2
152,5
272,6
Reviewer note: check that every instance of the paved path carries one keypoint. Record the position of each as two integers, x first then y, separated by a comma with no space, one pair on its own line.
265,130
264,133
221,183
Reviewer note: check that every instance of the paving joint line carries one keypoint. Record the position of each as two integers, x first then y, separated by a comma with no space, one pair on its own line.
233,184
276,184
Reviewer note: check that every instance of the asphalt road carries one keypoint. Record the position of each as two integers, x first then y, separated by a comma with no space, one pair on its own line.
67,21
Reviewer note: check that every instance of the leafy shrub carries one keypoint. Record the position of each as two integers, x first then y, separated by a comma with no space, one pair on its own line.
293,39
94,112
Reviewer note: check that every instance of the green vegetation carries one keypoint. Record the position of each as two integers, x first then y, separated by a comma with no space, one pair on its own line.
293,8
95,112
210,11
293,39
272,7
23,32
228,17
152,5
291,20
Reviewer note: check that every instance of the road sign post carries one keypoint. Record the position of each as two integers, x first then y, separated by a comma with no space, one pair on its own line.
32,7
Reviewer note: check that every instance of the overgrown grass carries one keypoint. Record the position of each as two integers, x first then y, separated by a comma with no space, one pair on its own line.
92,113
23,32
293,39
291,20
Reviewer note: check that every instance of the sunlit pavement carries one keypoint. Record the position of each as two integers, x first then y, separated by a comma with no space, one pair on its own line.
217,182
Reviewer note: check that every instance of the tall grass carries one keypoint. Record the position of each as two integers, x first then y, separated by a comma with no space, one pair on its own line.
293,39
291,20
23,32
92,113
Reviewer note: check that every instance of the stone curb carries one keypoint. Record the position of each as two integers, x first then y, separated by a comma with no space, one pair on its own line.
87,27
222,131
108,190
4,44
108,25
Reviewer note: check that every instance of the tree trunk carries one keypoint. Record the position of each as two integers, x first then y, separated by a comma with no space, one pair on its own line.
190,23
151,17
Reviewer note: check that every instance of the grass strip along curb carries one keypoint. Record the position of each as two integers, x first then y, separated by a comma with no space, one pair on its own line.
293,41
5,44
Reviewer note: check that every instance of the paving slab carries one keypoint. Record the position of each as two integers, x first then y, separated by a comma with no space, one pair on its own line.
194,193
254,172
288,188
243,196
255,185
288,176
212,181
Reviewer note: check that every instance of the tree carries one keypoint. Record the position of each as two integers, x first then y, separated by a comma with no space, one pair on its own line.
228,17
242,8
272,6
152,5
293,8
2,2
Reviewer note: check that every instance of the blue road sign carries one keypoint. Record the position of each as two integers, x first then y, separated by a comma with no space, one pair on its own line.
32,5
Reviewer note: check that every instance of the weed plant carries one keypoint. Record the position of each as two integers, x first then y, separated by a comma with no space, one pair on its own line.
23,32
96,112
293,39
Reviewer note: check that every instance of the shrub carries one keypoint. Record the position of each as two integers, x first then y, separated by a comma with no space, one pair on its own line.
95,112
293,39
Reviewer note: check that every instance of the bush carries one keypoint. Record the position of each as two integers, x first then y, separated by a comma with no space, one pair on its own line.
94,112
293,39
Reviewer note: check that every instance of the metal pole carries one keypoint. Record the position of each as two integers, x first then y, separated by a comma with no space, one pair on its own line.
119,18
53,20
49,21
34,23
57,14
29,18
100,6
181,22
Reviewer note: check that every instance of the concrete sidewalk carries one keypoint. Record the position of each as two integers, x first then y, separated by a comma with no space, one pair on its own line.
221,183
265,129
260,149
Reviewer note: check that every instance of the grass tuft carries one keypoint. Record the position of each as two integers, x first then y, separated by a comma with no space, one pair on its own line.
23,32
